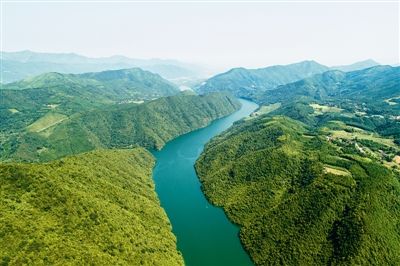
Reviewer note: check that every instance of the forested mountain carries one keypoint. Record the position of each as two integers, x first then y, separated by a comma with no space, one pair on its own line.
97,208
308,175
150,125
133,83
306,197
26,101
371,84
248,82
24,64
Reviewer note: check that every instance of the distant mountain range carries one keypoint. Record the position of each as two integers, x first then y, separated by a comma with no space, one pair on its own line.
357,66
379,83
249,83
23,64
244,82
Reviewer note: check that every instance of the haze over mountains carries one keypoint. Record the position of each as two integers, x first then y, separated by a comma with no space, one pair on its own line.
23,64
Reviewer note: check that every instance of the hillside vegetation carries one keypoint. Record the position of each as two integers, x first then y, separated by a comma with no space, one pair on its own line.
149,125
97,208
302,198
364,99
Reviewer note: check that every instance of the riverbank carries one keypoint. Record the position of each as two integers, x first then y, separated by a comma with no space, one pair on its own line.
204,233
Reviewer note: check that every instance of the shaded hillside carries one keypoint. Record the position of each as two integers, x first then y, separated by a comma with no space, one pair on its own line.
98,208
248,82
150,125
304,197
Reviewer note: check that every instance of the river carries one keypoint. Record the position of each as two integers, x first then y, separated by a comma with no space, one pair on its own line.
205,235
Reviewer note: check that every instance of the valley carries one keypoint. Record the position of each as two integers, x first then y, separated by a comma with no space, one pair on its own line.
298,175
199,133
205,235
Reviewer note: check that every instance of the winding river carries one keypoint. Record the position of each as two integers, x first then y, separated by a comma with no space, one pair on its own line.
205,235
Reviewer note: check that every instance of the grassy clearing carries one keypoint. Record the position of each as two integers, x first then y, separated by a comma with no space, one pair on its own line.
336,170
45,122
320,109
362,135
13,111
389,101
265,109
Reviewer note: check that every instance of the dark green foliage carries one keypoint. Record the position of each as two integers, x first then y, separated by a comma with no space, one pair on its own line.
299,199
97,208
150,125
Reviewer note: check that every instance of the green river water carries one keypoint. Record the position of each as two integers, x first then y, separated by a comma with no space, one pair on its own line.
205,235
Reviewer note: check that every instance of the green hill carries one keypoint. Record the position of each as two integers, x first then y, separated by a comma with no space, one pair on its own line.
25,101
304,197
248,83
98,208
149,125
112,85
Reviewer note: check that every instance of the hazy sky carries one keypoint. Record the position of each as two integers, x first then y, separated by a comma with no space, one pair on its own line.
219,34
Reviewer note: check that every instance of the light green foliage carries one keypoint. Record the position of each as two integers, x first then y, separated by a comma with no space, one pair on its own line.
97,208
47,121
268,174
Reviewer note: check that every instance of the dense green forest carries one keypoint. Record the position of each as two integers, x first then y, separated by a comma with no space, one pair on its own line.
304,196
97,208
150,125
312,177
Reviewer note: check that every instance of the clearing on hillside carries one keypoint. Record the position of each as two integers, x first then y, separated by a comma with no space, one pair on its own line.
43,123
